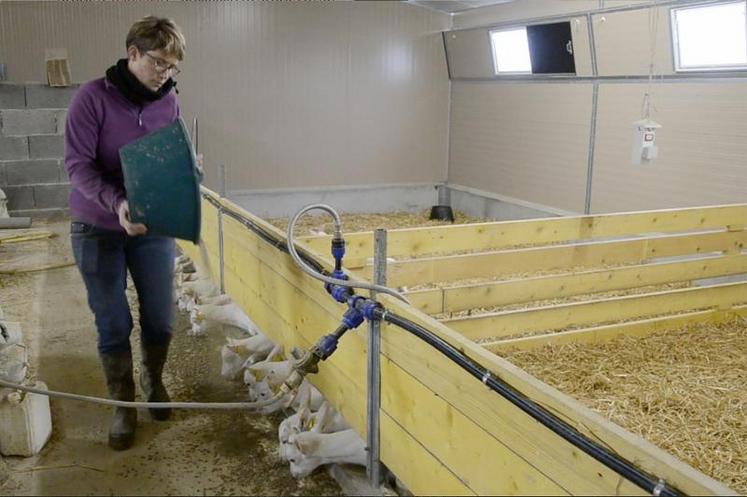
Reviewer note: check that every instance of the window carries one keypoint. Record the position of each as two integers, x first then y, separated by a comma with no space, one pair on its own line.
710,37
511,51
538,49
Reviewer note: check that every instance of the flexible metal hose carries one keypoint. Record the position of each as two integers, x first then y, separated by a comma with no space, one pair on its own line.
338,232
150,405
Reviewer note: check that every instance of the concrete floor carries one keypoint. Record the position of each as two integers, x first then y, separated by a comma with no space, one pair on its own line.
194,453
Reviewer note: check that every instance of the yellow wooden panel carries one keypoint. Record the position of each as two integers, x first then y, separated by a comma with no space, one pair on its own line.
476,461
413,242
304,308
584,313
316,308
514,291
306,318
421,470
505,421
425,479
608,332
501,263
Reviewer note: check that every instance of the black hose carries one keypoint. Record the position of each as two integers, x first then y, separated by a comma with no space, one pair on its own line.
605,456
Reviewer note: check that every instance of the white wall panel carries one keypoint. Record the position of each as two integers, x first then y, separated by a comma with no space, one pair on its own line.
289,94
624,42
702,147
526,141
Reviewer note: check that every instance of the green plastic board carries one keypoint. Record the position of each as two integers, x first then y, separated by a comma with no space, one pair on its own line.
162,182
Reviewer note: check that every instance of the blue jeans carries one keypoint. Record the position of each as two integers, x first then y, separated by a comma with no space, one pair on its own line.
103,258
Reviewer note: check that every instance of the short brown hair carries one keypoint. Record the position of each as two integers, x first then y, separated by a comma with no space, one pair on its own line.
157,33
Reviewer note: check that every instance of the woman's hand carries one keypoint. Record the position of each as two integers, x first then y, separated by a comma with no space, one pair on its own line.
132,229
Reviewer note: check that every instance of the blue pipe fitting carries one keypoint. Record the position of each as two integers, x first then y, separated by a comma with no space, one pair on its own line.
338,250
326,346
352,318
339,293
368,309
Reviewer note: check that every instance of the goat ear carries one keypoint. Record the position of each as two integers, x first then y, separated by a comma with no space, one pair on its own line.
306,445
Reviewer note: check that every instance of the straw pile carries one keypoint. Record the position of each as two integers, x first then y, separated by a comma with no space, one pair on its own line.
684,390
351,223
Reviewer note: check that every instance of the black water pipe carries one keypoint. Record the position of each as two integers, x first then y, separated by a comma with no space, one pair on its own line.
614,461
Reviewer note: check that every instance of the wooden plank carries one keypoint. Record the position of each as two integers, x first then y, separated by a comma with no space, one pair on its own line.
465,395
301,309
405,398
421,481
352,354
344,391
415,242
501,324
514,291
508,262
490,411
605,333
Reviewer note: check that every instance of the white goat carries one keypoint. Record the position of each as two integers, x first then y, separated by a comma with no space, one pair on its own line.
202,287
324,420
308,450
275,372
256,348
221,299
240,353
210,316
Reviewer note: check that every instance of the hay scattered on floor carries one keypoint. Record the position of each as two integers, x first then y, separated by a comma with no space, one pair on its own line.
351,223
683,390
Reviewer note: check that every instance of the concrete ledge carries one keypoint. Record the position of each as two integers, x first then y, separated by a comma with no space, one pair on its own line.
349,199
354,482
489,205
42,213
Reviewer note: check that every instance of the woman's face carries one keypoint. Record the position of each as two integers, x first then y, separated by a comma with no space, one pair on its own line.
151,68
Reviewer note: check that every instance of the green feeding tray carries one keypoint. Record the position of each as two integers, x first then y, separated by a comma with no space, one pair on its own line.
162,182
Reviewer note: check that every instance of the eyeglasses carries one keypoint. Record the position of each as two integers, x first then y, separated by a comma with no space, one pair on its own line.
163,66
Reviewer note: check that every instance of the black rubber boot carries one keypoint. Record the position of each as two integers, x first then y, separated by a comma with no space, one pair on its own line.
154,357
118,371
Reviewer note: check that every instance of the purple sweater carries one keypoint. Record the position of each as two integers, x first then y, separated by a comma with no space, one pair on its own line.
100,120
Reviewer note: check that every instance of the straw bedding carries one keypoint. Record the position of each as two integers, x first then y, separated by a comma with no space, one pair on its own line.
352,223
683,390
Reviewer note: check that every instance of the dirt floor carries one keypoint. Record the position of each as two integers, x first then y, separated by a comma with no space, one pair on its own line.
194,453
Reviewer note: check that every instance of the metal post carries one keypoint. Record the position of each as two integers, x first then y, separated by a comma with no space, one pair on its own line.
222,172
373,466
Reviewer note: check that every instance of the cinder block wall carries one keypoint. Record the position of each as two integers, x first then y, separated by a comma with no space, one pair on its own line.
32,126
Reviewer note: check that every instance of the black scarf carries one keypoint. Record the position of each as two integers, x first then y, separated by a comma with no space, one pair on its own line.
126,82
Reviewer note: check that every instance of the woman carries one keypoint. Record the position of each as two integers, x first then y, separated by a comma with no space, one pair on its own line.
136,97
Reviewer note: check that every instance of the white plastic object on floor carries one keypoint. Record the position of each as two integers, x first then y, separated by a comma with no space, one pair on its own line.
25,423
